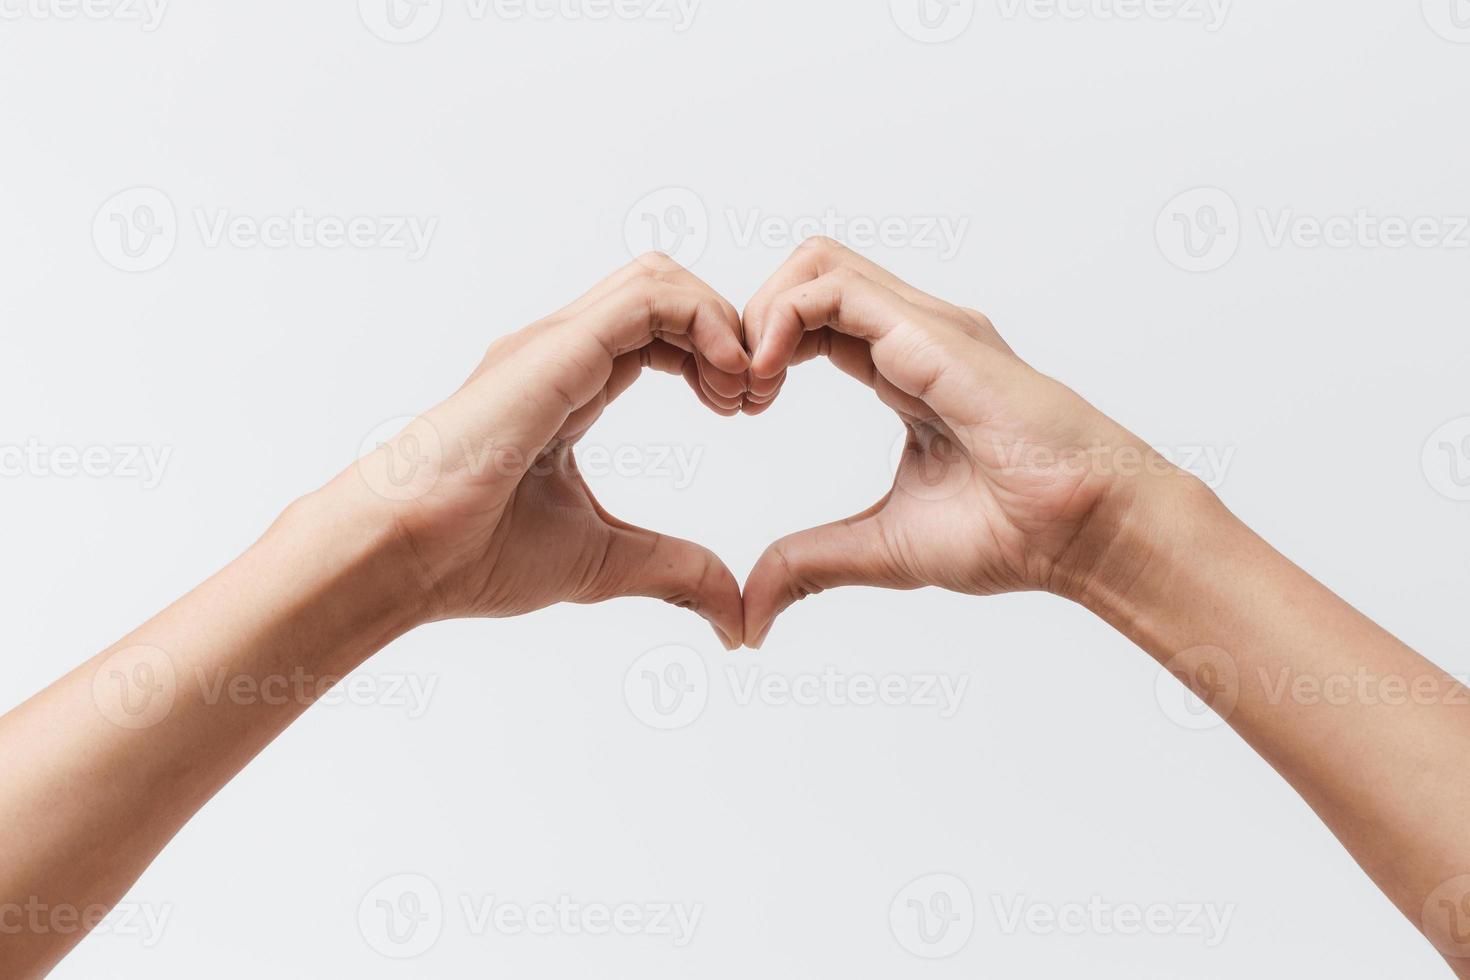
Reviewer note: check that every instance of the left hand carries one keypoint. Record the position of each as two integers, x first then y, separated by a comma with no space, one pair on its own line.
484,489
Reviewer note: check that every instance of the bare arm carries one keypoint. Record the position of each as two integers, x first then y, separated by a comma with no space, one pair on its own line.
1012,482
475,509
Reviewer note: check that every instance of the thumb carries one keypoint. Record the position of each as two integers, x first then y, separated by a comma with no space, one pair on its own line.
847,552
640,562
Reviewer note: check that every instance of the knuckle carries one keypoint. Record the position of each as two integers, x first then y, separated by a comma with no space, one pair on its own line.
823,245
981,320
654,262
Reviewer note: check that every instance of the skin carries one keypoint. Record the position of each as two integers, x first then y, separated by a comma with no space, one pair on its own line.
1009,482
1012,482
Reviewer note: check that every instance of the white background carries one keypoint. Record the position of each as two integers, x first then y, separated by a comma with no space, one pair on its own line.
1320,372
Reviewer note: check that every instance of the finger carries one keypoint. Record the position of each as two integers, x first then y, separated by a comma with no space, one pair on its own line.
657,356
532,392
815,258
924,356
848,552
657,265
643,563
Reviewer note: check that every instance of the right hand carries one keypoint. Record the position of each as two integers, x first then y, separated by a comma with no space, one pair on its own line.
1009,481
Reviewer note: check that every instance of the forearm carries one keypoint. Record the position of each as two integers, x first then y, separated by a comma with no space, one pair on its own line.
1373,736
105,766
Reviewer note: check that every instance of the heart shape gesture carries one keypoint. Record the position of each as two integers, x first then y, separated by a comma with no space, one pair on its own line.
1004,483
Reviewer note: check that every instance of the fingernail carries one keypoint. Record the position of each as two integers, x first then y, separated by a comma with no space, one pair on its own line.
725,641
760,641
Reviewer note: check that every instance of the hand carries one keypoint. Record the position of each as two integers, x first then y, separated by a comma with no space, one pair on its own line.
484,489
1009,481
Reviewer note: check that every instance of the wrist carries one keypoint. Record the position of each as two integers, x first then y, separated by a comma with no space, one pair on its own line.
349,550
1144,533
